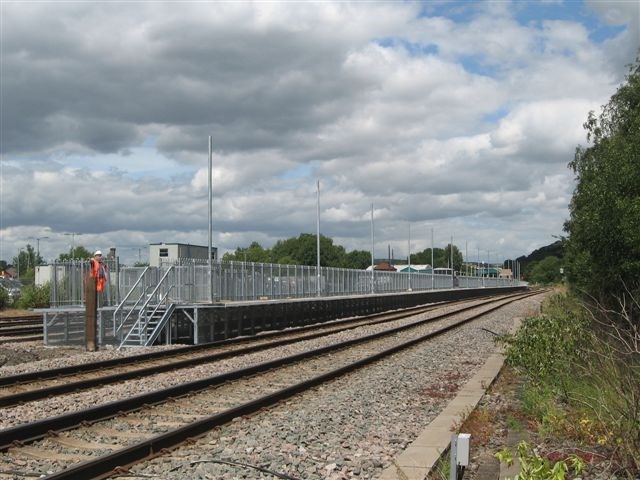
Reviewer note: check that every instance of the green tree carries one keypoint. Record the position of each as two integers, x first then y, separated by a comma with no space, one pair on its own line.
78,253
457,257
303,251
546,271
253,253
358,259
26,261
424,257
603,249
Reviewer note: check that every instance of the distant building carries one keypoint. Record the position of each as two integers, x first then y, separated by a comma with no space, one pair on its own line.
10,272
506,273
413,268
383,266
171,252
444,271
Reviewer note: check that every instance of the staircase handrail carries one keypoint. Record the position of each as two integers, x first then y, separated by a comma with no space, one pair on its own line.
124,300
144,306
130,313
155,290
147,317
144,272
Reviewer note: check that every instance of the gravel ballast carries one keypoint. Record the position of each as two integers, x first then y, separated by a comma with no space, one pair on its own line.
353,427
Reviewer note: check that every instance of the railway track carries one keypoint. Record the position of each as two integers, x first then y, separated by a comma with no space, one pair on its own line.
18,319
127,431
21,328
48,383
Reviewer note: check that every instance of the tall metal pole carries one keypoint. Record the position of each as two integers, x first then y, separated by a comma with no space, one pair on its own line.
409,256
73,243
372,243
210,170
451,255
432,265
466,257
318,236
37,239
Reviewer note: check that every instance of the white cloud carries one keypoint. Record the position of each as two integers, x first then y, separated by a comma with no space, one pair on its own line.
466,125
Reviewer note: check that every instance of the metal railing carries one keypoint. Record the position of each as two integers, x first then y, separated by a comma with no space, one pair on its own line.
243,281
67,282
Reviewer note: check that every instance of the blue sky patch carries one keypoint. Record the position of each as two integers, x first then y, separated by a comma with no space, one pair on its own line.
299,172
414,49
474,64
496,115
570,11
457,11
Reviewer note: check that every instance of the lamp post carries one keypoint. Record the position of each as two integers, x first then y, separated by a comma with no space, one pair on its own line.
432,265
409,256
318,237
37,239
372,258
451,259
19,252
73,243
209,215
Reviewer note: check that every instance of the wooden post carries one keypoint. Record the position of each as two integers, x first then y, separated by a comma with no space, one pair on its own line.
91,315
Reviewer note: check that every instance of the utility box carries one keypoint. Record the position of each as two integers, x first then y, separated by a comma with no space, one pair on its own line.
462,449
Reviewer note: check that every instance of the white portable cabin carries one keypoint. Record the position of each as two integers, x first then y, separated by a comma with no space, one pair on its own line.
163,252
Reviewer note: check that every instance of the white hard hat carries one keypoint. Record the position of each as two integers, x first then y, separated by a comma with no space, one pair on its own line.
98,252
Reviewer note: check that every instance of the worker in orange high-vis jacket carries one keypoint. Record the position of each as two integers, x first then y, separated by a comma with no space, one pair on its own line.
99,271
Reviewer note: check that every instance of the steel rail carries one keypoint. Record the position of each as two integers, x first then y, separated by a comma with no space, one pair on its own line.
32,338
11,332
121,460
73,386
36,430
100,365
21,318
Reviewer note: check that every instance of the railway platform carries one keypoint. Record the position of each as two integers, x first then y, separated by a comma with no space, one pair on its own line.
196,323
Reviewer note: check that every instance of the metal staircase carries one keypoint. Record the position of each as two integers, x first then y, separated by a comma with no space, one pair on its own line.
148,326
140,323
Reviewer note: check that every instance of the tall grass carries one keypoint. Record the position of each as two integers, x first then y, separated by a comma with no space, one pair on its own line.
582,363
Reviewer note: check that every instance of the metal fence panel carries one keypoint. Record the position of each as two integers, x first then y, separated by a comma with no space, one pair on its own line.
189,281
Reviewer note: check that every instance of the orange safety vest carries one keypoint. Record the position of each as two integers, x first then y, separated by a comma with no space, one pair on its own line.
99,272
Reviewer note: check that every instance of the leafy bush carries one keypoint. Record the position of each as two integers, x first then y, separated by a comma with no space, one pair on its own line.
583,363
545,346
34,297
546,271
4,298
534,467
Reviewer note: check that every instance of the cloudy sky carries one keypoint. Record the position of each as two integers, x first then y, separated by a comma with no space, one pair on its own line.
455,116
